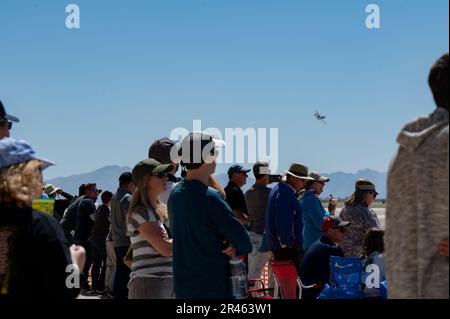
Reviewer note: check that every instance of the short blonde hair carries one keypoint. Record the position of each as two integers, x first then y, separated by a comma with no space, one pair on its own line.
18,183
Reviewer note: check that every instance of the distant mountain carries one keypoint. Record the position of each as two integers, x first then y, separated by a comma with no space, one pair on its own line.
107,178
341,184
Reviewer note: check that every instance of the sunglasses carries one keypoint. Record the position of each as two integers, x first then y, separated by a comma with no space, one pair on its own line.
8,124
373,193
162,175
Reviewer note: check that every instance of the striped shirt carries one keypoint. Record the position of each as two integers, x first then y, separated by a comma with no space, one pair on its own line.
147,261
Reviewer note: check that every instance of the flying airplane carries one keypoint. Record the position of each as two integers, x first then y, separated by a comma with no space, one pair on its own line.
320,117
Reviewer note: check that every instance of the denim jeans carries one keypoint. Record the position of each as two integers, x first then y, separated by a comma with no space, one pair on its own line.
122,274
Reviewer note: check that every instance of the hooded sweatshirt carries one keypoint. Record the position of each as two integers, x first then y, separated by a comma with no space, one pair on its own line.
417,213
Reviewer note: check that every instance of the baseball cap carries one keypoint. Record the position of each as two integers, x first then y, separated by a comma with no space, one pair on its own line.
237,169
193,147
149,167
160,150
333,222
6,116
316,176
14,151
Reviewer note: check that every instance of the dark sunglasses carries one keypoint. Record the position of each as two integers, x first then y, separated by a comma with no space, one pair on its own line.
8,124
162,175
374,194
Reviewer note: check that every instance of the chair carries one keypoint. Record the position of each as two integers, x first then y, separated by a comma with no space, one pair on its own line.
258,290
287,282
345,279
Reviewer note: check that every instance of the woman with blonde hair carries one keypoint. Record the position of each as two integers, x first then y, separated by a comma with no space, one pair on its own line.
151,269
357,211
35,258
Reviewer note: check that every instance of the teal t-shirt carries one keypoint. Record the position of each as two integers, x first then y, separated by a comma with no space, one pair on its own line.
200,221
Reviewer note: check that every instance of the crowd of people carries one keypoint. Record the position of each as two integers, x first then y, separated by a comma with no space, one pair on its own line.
160,236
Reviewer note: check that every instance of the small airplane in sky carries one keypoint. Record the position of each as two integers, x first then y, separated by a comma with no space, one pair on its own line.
320,117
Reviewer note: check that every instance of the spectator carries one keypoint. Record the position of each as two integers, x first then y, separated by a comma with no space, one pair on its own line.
60,204
417,212
34,252
84,224
357,211
120,239
284,221
152,271
160,150
315,269
6,122
313,211
237,176
97,242
257,198
205,231
69,218
373,254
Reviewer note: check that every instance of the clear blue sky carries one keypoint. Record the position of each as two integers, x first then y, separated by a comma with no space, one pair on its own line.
137,69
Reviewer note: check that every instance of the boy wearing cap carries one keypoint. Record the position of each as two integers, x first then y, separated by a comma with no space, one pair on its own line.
237,176
284,217
417,211
315,269
6,122
161,151
205,231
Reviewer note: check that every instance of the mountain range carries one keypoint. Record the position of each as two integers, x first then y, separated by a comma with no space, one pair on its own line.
341,184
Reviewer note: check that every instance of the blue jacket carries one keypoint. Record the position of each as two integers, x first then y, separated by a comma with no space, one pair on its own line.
313,215
284,222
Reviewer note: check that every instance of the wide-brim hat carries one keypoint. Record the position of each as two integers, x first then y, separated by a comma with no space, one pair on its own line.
50,189
299,171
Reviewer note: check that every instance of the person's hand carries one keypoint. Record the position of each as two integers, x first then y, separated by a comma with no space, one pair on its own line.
230,251
241,217
332,205
59,191
443,248
78,256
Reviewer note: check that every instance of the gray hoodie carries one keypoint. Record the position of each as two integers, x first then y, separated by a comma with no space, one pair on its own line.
417,213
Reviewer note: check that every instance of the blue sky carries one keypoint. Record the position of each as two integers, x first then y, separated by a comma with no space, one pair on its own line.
137,69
